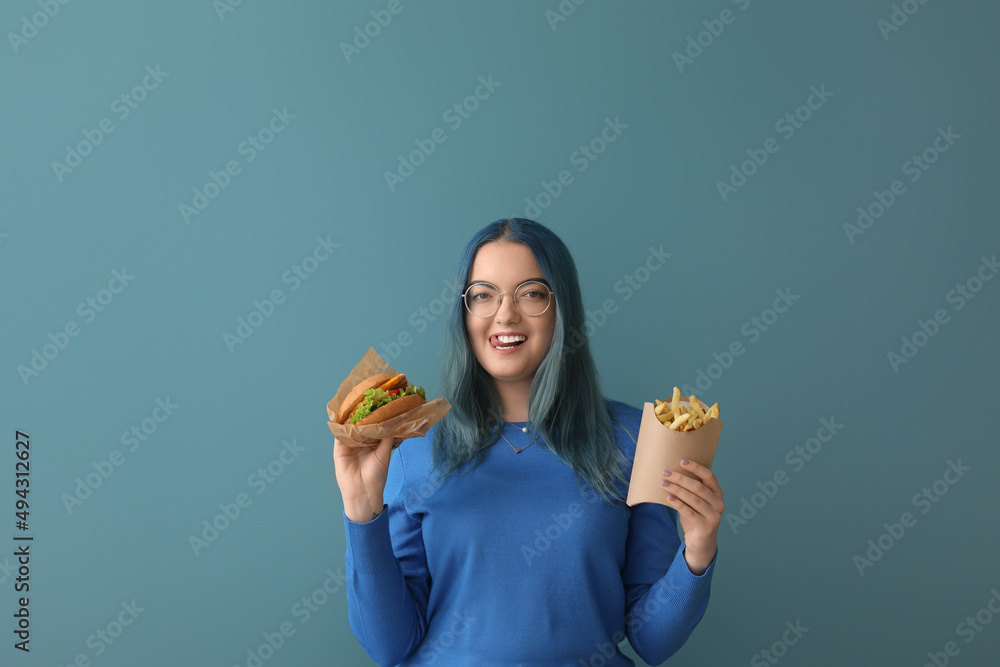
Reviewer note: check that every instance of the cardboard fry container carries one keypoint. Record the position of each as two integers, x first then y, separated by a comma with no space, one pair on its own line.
658,448
412,424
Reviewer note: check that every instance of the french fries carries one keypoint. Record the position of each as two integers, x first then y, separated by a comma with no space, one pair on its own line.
679,417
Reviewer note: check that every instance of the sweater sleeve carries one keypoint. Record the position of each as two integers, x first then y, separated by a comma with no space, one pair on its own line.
388,583
665,601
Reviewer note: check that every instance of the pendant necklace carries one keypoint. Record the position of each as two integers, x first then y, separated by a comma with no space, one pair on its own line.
524,429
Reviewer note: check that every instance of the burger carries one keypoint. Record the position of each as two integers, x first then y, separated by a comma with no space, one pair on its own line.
378,398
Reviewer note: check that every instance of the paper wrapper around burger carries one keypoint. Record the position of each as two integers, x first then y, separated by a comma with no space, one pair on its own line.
658,448
412,424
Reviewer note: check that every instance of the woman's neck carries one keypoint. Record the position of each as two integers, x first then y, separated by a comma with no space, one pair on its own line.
514,400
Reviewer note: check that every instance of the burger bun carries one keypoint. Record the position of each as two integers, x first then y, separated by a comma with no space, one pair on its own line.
357,395
393,409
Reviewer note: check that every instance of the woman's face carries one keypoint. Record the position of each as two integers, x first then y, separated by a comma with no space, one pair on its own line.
506,265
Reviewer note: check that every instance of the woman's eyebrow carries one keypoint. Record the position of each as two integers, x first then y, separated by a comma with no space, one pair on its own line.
526,280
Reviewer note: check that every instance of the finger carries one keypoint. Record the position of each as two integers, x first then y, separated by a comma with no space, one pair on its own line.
682,479
683,509
706,474
383,451
694,485
698,504
338,447
346,446
690,518
714,500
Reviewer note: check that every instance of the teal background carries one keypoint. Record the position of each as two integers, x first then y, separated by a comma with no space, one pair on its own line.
323,176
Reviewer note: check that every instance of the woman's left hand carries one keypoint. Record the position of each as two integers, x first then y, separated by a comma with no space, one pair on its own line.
699,505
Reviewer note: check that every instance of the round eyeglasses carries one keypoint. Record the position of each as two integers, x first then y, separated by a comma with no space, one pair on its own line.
532,298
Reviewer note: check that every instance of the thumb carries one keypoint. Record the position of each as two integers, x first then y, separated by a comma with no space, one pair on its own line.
383,451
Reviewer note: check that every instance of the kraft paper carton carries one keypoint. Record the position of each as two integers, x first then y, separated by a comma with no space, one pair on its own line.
658,448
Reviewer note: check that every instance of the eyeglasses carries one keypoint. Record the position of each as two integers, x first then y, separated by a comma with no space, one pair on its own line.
532,298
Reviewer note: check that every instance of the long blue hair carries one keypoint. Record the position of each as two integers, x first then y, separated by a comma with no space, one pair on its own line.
566,407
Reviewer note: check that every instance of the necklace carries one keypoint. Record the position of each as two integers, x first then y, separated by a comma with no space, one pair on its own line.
524,429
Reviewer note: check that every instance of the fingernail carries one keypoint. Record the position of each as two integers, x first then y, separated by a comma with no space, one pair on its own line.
664,483
684,462
666,473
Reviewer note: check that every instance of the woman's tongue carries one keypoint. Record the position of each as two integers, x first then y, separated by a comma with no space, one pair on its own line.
497,343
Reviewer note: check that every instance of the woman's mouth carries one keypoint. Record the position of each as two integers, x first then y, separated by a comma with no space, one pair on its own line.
503,343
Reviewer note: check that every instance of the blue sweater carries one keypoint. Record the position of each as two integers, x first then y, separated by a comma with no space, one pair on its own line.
511,564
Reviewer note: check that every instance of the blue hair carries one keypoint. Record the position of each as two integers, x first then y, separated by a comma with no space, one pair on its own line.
566,406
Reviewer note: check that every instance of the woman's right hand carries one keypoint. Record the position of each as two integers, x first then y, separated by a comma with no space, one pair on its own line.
361,475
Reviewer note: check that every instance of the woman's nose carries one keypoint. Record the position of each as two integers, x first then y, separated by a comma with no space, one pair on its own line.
507,310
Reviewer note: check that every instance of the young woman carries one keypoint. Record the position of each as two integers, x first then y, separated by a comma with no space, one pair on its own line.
502,537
